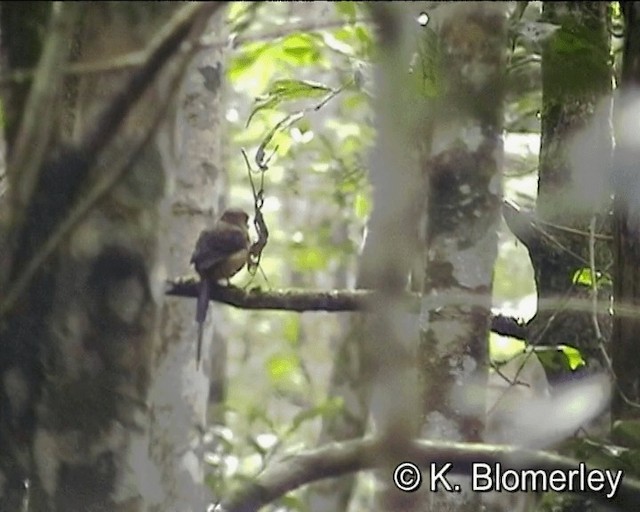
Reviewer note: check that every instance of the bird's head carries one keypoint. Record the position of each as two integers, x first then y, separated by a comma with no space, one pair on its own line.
235,216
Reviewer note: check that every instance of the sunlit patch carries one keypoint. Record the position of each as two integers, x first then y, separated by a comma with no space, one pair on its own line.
423,19
232,115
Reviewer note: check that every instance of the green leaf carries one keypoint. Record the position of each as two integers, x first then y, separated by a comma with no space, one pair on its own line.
362,205
246,59
364,36
300,49
288,90
573,355
284,370
291,329
310,258
559,357
583,276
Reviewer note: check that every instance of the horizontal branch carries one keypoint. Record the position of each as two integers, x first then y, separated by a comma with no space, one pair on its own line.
339,459
299,301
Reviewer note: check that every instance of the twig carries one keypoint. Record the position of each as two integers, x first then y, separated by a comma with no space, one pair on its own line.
594,281
578,232
594,318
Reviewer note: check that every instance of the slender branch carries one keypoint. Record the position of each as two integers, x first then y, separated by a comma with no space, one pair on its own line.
347,457
36,126
129,60
299,301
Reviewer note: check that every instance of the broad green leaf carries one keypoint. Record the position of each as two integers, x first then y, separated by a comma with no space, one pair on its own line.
573,355
559,357
300,49
584,277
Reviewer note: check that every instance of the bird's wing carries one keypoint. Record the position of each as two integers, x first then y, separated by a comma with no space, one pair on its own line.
216,244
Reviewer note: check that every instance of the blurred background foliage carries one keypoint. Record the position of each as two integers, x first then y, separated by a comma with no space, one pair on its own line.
301,72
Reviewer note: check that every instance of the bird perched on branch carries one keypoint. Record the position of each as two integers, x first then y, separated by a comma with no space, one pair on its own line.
220,253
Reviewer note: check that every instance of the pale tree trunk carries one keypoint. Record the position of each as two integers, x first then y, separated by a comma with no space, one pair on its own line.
75,409
463,170
179,393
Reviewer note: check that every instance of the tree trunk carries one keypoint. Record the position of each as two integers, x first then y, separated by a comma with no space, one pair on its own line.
573,179
79,336
626,364
193,151
463,171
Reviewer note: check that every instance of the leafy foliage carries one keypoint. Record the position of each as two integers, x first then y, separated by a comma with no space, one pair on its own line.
300,91
302,97
584,277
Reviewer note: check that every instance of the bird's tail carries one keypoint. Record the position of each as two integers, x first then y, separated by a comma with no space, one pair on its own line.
201,315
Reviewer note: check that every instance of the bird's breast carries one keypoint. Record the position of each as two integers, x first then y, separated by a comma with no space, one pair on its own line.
229,266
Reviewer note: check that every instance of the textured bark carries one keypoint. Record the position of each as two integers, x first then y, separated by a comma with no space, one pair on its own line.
573,184
193,155
627,230
78,334
91,429
573,188
23,28
463,171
